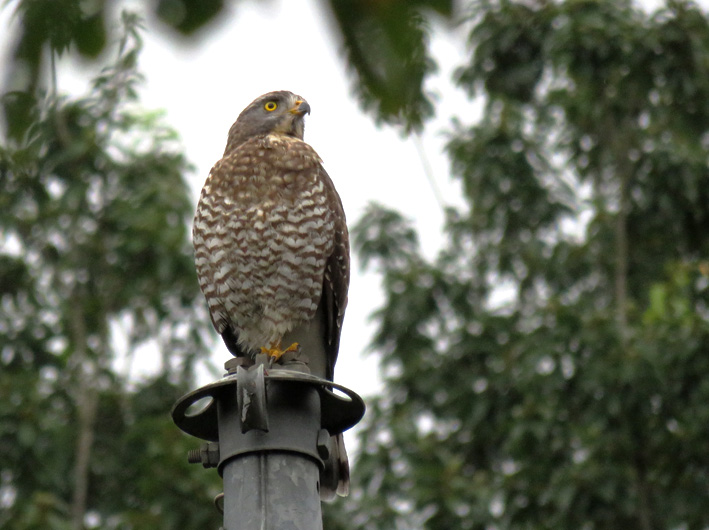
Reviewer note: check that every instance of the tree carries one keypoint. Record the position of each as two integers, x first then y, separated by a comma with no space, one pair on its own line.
85,29
546,369
385,45
94,216
93,226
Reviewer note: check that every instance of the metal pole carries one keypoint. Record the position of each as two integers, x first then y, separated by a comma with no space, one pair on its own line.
271,491
269,460
273,429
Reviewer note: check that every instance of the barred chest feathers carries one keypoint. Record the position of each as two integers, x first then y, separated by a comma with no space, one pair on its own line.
270,229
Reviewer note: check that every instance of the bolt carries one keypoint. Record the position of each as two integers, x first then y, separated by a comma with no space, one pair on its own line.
193,456
323,444
207,455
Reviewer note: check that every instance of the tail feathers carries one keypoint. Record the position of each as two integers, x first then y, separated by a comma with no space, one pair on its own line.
231,340
343,465
335,479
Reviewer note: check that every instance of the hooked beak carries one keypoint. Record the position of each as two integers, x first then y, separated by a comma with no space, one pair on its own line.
301,107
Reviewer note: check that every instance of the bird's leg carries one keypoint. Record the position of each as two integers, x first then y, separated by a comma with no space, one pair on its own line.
275,350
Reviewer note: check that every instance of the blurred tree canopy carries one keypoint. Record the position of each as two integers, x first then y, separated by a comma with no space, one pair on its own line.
386,44
94,217
545,370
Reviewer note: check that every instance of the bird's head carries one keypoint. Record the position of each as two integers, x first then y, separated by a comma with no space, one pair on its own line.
279,112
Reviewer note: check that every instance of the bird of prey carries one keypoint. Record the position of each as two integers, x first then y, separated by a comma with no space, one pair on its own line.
271,244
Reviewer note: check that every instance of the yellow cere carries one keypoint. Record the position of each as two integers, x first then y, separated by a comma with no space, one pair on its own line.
270,106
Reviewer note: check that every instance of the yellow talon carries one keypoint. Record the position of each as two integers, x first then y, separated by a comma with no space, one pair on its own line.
276,351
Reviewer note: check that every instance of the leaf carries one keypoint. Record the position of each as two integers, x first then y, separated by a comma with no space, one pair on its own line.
187,16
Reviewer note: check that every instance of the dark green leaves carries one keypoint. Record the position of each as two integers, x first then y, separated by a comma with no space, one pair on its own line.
386,46
508,53
544,370
95,264
187,16
49,28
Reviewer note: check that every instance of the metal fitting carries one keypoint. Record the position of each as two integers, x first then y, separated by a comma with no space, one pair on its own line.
207,455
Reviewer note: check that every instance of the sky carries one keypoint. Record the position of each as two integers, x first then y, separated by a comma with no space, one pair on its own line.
260,46
263,46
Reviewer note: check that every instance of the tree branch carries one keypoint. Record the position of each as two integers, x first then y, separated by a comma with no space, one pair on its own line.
86,406
621,256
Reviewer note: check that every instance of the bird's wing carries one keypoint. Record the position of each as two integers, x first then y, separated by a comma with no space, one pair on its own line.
336,279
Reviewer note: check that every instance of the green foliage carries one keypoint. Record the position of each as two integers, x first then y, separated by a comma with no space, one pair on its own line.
187,16
49,28
386,46
94,197
546,370
94,218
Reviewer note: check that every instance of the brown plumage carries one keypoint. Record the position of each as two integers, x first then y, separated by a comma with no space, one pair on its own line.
271,243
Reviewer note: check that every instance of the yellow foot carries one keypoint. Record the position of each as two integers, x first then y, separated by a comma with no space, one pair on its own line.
276,351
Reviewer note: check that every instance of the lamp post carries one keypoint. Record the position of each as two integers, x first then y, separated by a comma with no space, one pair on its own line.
268,431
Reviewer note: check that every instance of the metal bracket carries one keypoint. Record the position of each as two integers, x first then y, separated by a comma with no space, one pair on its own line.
251,398
274,430
338,412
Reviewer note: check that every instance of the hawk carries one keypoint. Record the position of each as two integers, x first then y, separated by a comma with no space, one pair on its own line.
272,247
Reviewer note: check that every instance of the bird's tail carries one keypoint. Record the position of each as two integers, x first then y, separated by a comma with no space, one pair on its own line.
335,479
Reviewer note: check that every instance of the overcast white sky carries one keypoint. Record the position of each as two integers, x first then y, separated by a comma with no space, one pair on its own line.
261,46
278,44
264,46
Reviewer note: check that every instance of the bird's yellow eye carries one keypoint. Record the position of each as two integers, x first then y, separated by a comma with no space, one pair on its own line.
270,106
